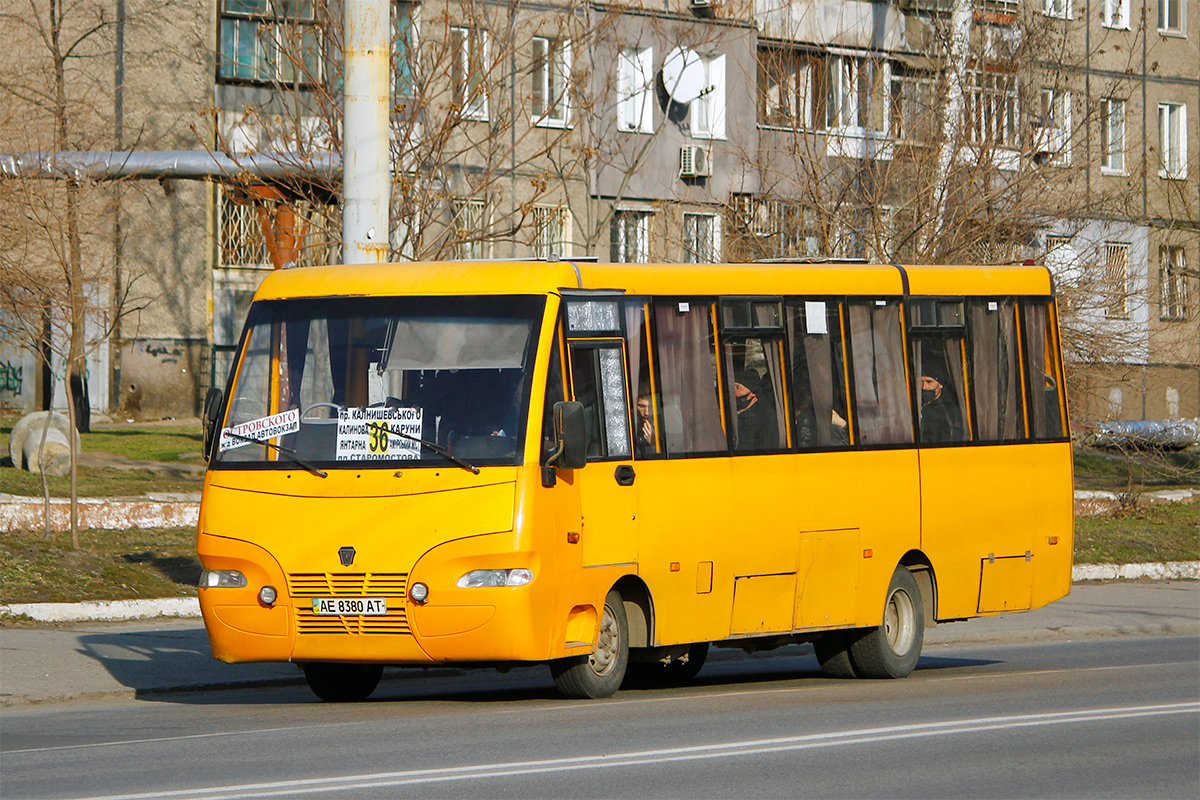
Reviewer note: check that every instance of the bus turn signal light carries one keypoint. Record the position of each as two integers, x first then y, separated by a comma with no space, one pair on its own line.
1053,540
868,553
572,537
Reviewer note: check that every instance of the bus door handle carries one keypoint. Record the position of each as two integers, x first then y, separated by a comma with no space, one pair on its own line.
625,475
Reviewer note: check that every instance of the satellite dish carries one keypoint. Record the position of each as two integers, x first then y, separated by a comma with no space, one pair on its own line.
683,75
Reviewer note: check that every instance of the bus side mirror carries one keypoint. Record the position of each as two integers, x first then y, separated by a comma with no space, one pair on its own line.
570,434
212,413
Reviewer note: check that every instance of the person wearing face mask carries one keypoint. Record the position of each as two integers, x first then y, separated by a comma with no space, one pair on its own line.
755,428
940,420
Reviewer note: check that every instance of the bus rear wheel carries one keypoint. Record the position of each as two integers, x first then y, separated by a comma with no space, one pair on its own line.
600,673
342,683
892,649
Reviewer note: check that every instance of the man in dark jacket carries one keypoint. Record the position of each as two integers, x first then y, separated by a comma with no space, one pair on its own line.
940,417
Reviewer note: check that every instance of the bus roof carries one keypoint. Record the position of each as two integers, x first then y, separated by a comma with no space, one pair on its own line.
542,277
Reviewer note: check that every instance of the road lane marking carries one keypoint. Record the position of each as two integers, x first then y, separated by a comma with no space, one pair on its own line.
697,694
644,757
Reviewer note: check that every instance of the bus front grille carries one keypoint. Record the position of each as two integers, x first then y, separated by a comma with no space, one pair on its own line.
390,585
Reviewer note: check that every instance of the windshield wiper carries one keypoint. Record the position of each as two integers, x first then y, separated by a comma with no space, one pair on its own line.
437,448
287,451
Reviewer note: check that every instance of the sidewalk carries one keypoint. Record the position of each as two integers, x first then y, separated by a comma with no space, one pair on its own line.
139,659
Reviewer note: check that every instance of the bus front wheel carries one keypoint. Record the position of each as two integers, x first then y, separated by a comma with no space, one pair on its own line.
599,674
892,649
342,683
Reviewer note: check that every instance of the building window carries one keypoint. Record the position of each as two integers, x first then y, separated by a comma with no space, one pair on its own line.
914,107
403,49
1116,280
785,80
1172,16
469,69
551,235
1053,127
701,238
992,109
1172,283
708,110
269,41
468,229
1172,129
630,241
1057,8
551,81
853,93
1115,14
635,90
771,229
1112,136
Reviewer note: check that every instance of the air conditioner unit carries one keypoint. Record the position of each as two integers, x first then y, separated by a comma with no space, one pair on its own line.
701,3
694,162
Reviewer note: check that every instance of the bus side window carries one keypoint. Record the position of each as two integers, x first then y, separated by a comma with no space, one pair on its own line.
881,408
817,374
752,369
995,370
555,391
686,359
647,410
598,382
1044,384
939,361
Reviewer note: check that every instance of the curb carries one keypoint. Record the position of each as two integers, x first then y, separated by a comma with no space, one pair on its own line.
126,610
29,513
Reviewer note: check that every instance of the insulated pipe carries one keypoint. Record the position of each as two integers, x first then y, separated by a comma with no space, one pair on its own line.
366,172
91,165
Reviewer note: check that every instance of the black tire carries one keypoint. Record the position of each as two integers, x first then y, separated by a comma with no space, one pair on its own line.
342,683
833,653
599,674
676,673
892,649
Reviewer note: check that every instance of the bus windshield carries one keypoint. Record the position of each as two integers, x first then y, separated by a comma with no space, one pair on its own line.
358,381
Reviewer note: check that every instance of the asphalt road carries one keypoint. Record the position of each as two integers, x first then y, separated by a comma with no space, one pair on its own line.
1102,717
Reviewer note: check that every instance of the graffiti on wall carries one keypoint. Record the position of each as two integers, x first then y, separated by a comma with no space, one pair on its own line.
10,377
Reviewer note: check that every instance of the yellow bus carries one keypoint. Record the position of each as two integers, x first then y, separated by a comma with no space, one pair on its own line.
609,468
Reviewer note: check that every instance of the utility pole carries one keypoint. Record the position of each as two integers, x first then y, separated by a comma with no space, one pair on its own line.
366,167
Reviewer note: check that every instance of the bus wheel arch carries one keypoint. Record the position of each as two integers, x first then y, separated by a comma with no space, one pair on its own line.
600,673
639,610
922,571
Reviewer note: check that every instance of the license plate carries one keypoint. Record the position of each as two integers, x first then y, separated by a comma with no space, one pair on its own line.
339,606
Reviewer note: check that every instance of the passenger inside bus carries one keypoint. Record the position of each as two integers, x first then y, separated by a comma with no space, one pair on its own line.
941,420
756,428
643,439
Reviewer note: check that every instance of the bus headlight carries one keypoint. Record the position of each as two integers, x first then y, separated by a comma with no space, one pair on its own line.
268,595
418,593
221,578
494,577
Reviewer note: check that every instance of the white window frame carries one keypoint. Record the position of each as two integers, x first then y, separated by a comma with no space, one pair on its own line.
635,90
1112,136
845,74
1116,280
552,232
472,107
552,79
1172,141
1054,122
695,247
626,249
1059,9
792,108
1115,14
471,217
1172,283
273,28
1165,7
708,110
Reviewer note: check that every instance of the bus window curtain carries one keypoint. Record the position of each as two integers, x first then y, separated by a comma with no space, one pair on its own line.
996,386
691,411
881,397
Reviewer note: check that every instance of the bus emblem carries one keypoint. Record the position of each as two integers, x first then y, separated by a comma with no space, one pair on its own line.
346,554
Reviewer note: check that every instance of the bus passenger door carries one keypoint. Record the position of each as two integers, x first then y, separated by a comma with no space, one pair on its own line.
607,484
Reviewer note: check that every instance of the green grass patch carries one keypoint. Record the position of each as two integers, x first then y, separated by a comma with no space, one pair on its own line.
1141,470
98,482
111,565
1161,532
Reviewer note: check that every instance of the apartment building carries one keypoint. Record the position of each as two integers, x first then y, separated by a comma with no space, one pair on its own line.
697,130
